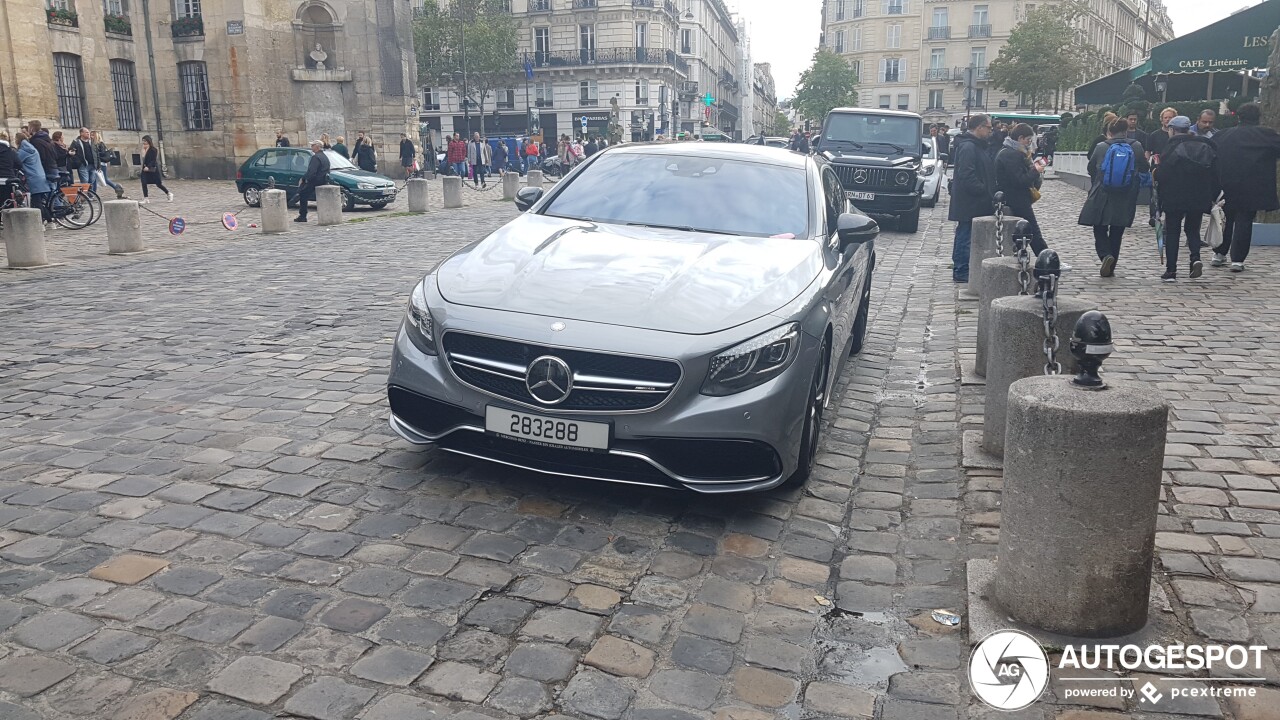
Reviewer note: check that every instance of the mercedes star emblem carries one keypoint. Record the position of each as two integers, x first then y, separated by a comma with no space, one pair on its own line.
860,176
549,380
557,326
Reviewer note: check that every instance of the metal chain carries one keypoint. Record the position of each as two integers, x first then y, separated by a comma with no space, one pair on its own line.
1000,227
1049,301
1024,266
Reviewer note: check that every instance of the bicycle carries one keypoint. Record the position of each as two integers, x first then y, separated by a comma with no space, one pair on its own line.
18,197
71,206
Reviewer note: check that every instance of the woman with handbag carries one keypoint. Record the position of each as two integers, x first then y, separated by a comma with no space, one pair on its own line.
151,170
1019,179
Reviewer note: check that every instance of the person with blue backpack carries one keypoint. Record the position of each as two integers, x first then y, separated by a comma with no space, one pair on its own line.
1115,167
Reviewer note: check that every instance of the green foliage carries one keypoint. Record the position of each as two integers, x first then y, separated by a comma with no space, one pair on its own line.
1043,56
828,83
781,124
480,31
1085,127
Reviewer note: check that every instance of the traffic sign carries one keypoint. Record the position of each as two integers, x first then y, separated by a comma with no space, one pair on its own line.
584,122
229,221
177,226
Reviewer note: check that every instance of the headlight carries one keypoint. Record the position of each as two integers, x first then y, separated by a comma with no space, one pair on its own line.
418,320
366,186
902,178
927,170
753,362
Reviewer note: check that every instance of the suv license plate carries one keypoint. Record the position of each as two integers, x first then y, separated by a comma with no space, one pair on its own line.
541,430
859,195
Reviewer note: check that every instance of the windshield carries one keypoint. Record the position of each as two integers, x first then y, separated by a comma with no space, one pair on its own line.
688,192
903,132
337,162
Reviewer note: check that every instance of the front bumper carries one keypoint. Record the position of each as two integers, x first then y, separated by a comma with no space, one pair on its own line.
372,196
743,442
887,203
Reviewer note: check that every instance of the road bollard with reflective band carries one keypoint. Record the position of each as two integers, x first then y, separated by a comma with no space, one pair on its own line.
510,185
329,205
124,227
534,179
982,246
999,279
452,191
1016,347
1080,497
24,238
418,189
275,211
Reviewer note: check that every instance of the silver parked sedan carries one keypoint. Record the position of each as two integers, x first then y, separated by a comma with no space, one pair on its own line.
667,315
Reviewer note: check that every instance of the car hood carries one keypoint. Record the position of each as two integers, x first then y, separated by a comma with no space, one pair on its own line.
666,280
358,176
866,159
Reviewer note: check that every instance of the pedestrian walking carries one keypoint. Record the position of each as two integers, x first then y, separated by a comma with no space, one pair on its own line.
1247,157
1017,177
104,163
408,154
999,131
479,156
10,167
366,157
1204,125
1135,132
151,170
972,187
944,141
500,158
1188,179
340,147
281,140
1114,167
1050,144
1108,120
82,157
1154,143
592,147
533,154
456,155
317,174
38,186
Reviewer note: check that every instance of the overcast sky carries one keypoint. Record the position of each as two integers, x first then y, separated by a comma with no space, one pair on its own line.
785,32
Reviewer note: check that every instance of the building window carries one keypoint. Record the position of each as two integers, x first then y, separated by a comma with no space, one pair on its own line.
979,98
642,35
895,7
686,41
587,42
980,15
891,70
63,5
859,8
506,99
904,101
70,80
430,99
839,9
195,96
124,84
642,92
978,57
940,18
935,100
857,38
588,93
839,42
186,8
893,37
541,45
856,66
114,7
884,102
542,94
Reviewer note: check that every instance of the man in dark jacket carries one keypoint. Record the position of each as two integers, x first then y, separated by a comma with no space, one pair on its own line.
48,151
317,175
592,147
1109,210
408,153
281,140
1188,179
972,186
9,166
1016,175
1247,169
84,159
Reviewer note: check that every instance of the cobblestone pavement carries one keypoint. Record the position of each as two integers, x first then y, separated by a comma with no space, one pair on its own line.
204,515
202,203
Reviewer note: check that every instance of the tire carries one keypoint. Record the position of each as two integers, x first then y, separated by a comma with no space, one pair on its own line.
349,204
378,205
859,333
933,201
252,195
909,223
814,408
72,215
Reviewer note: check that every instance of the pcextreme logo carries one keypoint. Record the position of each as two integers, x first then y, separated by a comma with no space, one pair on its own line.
1009,670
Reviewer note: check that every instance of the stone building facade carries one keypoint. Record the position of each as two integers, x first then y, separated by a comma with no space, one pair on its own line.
210,80
931,56
764,106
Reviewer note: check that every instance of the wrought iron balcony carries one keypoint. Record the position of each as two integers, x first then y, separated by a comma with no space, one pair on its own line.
118,24
543,103
979,31
938,74
646,3
539,6
61,18
585,4
607,56
940,32
728,110
588,102
188,26
979,74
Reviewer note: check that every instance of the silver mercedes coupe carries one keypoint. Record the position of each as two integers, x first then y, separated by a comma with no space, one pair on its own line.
667,315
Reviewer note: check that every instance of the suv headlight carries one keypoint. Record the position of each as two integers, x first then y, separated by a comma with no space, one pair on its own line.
420,326
927,170
753,362
902,178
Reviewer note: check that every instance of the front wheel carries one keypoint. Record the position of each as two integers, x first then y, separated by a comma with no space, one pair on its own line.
860,324
815,406
252,196
909,223
349,204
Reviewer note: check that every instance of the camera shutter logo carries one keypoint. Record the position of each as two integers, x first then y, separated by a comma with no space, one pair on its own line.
1008,670
1151,694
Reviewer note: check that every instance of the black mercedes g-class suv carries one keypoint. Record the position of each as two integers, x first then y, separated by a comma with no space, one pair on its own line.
876,154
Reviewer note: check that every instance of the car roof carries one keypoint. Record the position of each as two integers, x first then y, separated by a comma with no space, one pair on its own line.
874,111
728,151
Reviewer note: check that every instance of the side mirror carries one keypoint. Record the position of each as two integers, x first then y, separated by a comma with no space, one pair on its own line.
855,229
943,157
527,196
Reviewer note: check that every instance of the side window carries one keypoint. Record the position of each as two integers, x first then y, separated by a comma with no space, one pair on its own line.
268,159
834,192
300,161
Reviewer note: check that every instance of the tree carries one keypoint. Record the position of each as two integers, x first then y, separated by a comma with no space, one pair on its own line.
1044,55
828,83
781,124
481,33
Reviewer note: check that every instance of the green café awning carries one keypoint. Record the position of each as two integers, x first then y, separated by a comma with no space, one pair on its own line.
1107,89
1237,42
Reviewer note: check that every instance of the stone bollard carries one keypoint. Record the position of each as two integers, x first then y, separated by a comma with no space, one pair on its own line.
1080,501
24,238
999,279
418,190
534,179
275,211
453,192
983,245
510,185
124,227
329,205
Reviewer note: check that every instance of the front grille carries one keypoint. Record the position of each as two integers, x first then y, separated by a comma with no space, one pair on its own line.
875,178
603,382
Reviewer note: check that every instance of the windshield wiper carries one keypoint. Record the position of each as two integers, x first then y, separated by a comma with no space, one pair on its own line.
895,146
684,228
857,145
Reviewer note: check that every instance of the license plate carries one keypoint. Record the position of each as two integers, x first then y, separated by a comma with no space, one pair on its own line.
541,430
850,194
389,191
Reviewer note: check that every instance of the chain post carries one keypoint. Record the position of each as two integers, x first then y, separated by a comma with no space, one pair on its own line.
1090,345
999,198
1022,244
1048,269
